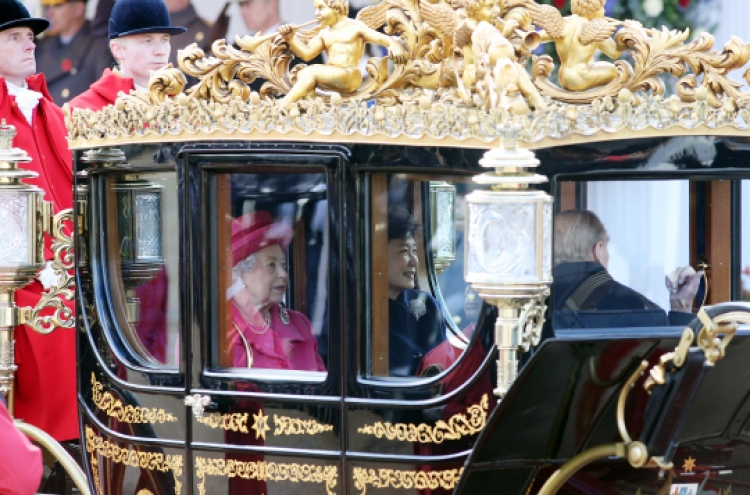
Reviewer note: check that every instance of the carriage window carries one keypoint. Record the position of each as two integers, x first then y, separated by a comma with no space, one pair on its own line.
422,313
143,235
272,271
635,253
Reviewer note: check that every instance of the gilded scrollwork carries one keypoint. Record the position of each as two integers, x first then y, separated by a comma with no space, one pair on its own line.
114,407
57,278
456,427
150,461
407,480
265,471
228,422
461,75
285,425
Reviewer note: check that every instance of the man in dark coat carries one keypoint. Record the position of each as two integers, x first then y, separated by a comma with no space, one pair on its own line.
72,58
198,31
584,293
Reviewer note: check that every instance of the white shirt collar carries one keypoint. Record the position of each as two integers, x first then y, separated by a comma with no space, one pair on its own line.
26,99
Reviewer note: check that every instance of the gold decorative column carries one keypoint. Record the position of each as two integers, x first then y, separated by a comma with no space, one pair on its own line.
509,250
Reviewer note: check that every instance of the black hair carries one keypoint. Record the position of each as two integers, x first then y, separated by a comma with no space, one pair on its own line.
401,225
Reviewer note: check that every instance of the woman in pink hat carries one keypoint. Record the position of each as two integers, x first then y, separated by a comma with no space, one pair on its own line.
265,334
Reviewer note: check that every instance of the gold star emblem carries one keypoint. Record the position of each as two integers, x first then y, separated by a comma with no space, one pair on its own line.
260,424
688,465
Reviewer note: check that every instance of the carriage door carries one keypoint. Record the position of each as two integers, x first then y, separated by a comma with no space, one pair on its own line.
423,391
264,374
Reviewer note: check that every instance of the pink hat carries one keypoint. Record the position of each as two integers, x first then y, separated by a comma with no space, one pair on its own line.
255,231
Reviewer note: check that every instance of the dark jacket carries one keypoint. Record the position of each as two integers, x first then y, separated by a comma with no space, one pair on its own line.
609,304
70,69
198,31
416,326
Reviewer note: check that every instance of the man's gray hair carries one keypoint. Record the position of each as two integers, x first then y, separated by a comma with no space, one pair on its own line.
576,235
243,266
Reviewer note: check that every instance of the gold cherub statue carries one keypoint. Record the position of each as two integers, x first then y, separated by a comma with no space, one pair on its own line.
343,40
576,38
487,50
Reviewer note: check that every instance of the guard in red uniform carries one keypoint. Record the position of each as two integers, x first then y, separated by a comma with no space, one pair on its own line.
139,34
45,388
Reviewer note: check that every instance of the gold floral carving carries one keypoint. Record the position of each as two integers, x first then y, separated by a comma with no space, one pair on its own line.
406,480
228,422
265,471
284,425
126,413
457,426
464,75
151,461
57,278
96,476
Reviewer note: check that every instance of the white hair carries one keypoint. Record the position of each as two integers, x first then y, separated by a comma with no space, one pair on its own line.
237,271
576,234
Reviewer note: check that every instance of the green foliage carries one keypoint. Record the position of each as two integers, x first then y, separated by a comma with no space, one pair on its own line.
672,15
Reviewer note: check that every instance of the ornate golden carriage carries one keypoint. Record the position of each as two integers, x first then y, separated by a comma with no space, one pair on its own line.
161,175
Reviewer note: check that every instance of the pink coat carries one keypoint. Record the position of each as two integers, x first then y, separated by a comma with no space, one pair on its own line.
281,347
20,460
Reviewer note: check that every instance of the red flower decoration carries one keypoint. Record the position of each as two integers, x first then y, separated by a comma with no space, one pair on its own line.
684,3
561,3
67,64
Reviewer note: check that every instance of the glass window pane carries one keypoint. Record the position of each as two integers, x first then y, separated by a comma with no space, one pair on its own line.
144,257
649,228
272,271
419,324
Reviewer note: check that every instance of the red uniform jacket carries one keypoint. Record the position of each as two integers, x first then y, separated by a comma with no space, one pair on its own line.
103,92
45,390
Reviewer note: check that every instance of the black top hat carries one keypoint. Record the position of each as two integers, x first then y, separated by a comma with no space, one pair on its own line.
14,14
140,17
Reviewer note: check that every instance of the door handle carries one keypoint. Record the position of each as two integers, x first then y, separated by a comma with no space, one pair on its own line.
198,403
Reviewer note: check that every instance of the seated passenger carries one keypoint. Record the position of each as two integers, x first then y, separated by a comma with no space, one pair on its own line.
266,334
584,293
415,321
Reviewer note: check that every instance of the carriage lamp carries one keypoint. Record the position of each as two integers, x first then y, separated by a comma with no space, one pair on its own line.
508,260
443,223
139,214
24,220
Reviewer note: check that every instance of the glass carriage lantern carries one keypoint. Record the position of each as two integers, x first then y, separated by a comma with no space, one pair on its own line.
21,245
509,254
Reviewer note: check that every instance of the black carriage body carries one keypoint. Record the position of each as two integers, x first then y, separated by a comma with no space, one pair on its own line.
348,431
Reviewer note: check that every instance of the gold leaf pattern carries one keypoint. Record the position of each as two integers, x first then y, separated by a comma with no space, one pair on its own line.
126,413
152,461
228,422
265,471
457,426
406,480
295,426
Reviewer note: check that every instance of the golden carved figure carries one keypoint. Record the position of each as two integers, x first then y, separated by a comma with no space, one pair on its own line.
577,37
343,41
490,58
